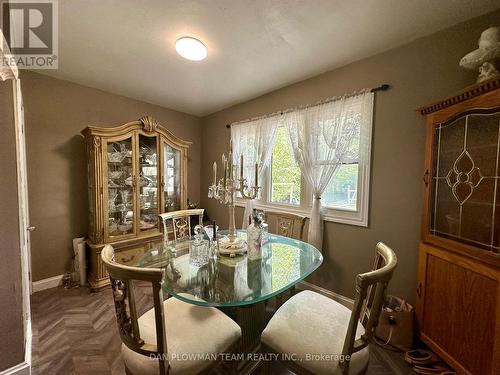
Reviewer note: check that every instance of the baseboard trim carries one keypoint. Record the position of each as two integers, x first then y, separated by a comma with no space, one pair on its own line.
347,302
43,284
20,369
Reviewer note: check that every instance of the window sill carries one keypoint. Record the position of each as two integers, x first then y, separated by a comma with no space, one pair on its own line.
354,219
343,217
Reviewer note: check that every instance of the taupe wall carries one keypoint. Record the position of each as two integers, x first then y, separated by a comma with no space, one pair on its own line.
11,322
420,72
56,111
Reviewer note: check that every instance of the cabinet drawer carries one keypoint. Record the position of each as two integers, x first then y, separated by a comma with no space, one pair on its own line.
130,257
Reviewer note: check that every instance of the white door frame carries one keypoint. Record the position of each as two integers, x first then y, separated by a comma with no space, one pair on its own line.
24,226
6,73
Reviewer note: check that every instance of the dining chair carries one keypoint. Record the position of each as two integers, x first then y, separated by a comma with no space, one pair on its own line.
284,224
321,336
178,223
158,341
287,225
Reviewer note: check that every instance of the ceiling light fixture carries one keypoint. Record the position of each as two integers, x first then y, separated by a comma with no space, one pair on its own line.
191,48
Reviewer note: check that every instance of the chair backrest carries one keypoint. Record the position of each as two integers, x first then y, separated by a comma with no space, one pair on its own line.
122,278
178,223
370,295
284,224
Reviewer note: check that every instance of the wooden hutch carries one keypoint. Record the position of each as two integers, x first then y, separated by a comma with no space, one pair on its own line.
135,172
458,294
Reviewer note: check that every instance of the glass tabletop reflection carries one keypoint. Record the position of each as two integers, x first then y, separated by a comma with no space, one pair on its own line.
237,281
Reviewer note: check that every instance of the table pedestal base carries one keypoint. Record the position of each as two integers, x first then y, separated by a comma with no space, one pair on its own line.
252,319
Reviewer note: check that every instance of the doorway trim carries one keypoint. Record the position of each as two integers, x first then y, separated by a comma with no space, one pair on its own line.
24,226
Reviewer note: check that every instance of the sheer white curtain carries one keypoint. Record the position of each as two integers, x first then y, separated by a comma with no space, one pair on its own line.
323,137
255,140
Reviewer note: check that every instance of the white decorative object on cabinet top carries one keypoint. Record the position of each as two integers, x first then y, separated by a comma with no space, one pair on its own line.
485,58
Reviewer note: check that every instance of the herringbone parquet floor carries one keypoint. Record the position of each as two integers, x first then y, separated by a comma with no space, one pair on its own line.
74,333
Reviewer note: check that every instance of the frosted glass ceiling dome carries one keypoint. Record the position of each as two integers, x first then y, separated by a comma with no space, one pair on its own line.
191,48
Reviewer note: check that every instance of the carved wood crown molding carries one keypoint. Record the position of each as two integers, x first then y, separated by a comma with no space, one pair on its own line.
467,93
149,123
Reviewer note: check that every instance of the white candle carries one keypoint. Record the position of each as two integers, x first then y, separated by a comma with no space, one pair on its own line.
215,173
235,171
224,167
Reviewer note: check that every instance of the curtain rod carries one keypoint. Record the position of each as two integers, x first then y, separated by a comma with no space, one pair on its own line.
383,87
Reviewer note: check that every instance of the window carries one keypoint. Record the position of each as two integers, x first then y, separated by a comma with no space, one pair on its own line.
342,191
345,199
285,173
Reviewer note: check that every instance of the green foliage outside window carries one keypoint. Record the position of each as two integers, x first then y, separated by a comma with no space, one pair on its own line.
285,172
341,192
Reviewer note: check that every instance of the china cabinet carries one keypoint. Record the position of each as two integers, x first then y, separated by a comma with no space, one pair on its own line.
458,294
136,171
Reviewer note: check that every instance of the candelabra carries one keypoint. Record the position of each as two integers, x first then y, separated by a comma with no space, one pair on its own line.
224,190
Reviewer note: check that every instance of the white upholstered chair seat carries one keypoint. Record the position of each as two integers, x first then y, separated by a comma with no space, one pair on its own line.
190,329
309,323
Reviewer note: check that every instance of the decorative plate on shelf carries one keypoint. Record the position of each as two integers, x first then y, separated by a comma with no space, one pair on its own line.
115,157
143,181
146,225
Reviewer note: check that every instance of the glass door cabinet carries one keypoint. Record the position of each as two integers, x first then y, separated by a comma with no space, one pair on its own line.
119,188
464,187
171,184
135,172
458,288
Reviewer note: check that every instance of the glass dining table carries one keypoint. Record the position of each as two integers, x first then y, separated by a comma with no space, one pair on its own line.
233,281
237,285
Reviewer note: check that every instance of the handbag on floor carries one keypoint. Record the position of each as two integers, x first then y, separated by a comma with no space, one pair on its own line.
395,326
